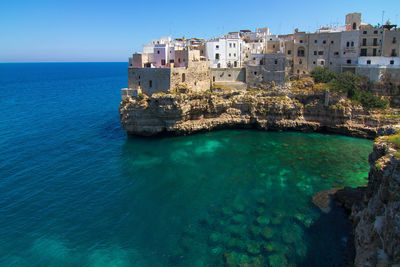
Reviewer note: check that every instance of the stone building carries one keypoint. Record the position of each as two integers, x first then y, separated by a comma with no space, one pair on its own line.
191,73
270,69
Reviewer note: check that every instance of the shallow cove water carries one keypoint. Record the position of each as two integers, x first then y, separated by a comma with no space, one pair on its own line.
75,190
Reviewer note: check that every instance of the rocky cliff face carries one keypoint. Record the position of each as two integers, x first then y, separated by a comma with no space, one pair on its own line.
376,215
273,109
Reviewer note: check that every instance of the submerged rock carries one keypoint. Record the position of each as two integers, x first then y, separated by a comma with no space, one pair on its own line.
267,233
323,199
239,218
262,220
277,260
253,248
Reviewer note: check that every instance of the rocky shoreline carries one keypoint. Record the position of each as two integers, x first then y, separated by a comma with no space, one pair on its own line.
374,210
272,110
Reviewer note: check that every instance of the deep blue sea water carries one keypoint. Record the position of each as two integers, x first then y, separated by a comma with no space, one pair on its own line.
75,190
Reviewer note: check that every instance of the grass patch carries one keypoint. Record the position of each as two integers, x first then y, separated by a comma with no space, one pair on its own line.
394,139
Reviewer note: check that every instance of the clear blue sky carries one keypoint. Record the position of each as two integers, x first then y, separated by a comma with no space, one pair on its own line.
73,30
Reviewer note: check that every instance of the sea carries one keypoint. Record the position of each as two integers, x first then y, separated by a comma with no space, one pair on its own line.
76,190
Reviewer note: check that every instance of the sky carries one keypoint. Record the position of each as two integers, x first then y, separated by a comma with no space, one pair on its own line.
104,31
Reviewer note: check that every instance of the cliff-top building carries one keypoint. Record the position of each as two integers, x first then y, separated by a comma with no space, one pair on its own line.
245,58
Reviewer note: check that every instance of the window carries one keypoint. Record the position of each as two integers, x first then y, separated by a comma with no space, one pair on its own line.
300,62
179,60
364,43
217,56
374,52
234,54
354,26
183,77
364,32
332,42
363,52
276,61
320,53
158,51
171,61
375,32
139,83
289,52
254,58
391,62
324,41
219,65
336,53
150,83
255,73
163,62
139,77
394,40
230,45
322,63
229,54
394,54
347,44
217,46
315,53
301,52
234,45
352,44
348,61
301,41
229,75
375,41
313,62
273,46
213,78
369,62
315,41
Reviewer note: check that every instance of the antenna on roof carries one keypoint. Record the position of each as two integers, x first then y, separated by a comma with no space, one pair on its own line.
383,13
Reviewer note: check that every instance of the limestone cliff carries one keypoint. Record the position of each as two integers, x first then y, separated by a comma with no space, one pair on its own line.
269,109
376,215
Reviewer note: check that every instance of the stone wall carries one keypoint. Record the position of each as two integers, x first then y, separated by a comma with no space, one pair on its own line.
375,73
228,74
260,74
195,77
150,80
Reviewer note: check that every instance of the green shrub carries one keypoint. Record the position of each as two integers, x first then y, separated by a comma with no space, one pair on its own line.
350,84
322,75
395,140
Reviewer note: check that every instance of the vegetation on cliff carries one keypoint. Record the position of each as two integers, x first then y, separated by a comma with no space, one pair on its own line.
355,86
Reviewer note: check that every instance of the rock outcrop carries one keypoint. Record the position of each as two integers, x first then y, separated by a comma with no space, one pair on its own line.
375,209
282,109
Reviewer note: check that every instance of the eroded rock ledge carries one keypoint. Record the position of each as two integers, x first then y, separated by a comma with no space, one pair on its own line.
375,210
273,109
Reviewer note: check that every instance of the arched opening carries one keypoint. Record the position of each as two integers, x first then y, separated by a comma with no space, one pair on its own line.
183,77
300,52
354,26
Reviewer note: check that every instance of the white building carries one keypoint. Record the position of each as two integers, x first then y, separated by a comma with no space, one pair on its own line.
225,52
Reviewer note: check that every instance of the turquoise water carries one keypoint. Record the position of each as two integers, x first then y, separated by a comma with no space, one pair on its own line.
75,190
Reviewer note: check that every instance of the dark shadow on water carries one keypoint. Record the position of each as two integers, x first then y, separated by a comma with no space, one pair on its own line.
323,237
112,130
